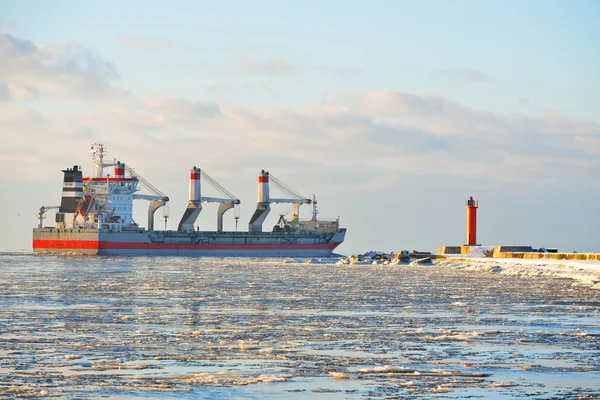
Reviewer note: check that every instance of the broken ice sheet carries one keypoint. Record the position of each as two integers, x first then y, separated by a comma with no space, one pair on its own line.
109,326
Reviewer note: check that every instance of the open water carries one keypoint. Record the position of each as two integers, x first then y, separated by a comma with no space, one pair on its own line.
112,327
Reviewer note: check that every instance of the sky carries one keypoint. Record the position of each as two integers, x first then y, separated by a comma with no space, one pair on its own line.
392,112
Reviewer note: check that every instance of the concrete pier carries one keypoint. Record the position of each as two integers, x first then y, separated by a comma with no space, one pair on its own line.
534,255
525,252
464,249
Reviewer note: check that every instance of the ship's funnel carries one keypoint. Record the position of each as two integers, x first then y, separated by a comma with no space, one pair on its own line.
119,170
72,190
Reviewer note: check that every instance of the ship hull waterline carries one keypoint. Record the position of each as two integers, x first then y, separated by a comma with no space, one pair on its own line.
169,243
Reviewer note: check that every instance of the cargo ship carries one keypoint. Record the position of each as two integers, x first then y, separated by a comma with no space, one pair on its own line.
95,217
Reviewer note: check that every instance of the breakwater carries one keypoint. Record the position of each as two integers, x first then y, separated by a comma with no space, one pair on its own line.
525,252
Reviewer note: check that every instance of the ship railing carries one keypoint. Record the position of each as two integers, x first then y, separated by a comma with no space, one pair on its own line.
319,220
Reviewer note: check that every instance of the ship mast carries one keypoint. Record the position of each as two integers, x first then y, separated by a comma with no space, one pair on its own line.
314,208
97,151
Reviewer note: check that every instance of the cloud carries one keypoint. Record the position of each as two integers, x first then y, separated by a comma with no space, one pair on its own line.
278,68
180,108
28,70
224,91
7,25
462,75
393,134
15,93
346,71
273,67
144,42
270,67
389,103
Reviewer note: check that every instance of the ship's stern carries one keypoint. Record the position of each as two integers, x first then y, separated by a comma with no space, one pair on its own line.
65,241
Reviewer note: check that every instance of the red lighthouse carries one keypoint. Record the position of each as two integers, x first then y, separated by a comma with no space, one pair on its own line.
471,206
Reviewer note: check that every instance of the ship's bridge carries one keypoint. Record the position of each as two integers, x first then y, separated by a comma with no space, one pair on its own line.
128,183
114,196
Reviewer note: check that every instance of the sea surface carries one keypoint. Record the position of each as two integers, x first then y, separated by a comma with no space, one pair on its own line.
158,327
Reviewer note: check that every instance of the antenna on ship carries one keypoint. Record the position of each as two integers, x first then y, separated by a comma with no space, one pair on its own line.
97,150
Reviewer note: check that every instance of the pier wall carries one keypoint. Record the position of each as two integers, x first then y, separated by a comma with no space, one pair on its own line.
534,255
464,250
525,252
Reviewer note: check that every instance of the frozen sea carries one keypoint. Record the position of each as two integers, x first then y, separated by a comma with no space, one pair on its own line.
116,327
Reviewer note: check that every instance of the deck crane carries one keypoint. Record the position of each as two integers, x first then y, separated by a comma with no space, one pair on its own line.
264,200
296,199
194,207
157,199
41,213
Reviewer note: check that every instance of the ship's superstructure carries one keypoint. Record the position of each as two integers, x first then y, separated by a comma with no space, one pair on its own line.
95,216
102,200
